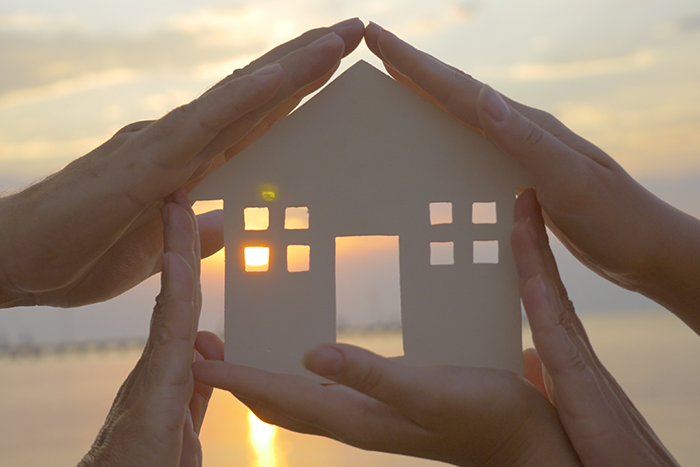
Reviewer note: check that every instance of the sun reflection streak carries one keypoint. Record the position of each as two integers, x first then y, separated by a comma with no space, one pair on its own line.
262,438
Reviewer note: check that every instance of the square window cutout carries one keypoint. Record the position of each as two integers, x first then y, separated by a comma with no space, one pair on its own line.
484,213
486,252
440,213
256,218
296,218
442,253
257,258
298,257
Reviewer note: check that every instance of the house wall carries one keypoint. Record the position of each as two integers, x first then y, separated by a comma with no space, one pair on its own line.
367,157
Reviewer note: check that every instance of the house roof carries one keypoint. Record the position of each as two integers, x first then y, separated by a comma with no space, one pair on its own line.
367,137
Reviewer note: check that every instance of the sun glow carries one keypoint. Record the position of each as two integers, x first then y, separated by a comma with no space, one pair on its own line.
262,438
257,258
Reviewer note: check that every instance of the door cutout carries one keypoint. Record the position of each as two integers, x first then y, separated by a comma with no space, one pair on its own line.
368,293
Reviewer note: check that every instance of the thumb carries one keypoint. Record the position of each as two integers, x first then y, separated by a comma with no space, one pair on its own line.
364,371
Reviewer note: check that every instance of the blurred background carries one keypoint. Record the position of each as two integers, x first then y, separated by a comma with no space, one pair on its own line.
622,73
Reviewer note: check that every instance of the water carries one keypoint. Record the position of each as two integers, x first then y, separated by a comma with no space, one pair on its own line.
52,407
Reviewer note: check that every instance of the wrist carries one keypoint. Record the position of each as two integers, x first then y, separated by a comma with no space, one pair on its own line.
10,294
673,272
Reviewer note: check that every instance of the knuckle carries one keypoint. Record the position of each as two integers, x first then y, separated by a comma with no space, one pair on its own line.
573,358
364,379
160,333
533,134
240,72
189,114
455,92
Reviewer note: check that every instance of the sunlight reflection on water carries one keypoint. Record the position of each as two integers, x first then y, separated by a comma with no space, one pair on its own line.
51,408
262,437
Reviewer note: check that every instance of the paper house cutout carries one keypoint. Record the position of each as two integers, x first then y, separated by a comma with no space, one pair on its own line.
366,156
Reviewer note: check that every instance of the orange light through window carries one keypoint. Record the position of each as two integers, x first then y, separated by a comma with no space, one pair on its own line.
257,258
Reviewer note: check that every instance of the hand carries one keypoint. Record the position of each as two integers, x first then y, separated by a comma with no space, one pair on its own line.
464,416
602,423
605,218
156,417
92,230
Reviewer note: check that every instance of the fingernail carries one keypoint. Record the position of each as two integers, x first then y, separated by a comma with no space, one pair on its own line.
376,26
345,24
324,360
324,40
268,70
494,105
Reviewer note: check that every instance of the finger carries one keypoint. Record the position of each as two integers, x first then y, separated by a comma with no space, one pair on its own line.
548,159
211,232
378,377
463,96
308,62
168,151
133,127
293,396
372,33
200,400
191,127
181,235
272,416
302,405
191,451
209,345
171,339
301,68
278,113
603,425
598,416
350,31
174,322
532,366
453,89
530,236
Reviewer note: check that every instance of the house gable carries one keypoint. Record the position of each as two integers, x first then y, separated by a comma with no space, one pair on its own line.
366,156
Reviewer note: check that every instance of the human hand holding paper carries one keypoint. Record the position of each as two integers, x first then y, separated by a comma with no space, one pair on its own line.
157,415
605,218
464,416
92,230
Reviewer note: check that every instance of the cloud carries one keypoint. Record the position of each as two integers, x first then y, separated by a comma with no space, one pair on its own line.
439,18
39,58
21,21
637,60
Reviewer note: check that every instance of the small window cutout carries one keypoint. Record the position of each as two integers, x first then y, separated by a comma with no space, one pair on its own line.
442,253
257,258
486,252
440,213
256,218
298,258
296,218
484,213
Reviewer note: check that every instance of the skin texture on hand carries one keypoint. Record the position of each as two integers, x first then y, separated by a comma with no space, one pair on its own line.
157,415
463,416
93,230
602,423
603,216
568,411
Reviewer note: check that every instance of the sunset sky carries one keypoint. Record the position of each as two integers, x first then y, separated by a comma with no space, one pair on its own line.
622,73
